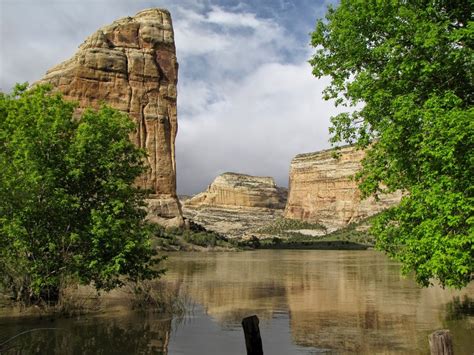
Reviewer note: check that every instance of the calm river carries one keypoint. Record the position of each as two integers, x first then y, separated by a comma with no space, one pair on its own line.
308,302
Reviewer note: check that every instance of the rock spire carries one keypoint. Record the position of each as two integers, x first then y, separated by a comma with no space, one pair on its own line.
131,65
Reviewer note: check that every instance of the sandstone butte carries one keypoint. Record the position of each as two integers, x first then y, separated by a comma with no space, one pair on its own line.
322,189
240,191
131,65
236,204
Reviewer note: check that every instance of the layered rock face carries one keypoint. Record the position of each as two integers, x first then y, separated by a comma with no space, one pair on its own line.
239,190
322,189
131,65
235,204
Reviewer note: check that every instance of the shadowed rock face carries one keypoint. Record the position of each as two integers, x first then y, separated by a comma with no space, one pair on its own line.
131,65
236,204
322,189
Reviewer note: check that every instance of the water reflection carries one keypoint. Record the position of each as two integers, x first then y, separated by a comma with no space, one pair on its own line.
460,308
460,316
341,300
111,334
308,302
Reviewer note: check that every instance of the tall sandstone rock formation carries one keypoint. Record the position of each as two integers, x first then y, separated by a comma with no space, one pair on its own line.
131,65
237,204
322,189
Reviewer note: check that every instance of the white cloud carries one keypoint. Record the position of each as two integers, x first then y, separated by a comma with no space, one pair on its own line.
263,121
247,101
215,38
222,17
193,37
250,110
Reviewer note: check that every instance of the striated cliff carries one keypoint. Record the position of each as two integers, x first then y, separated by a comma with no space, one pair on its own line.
322,189
236,204
131,65
240,190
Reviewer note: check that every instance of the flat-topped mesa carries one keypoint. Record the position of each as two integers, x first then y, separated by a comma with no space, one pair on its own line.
131,65
322,189
240,191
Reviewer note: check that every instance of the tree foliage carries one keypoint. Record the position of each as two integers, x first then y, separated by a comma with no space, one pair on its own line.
406,68
68,206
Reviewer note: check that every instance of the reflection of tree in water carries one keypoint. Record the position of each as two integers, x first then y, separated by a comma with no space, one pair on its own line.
191,266
460,321
132,334
460,308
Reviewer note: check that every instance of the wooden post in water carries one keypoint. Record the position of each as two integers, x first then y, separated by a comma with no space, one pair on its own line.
441,342
253,341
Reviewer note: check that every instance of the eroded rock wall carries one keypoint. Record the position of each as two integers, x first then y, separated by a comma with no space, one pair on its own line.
240,190
322,189
236,204
131,65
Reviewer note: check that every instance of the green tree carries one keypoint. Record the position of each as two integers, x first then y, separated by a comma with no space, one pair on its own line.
406,69
68,206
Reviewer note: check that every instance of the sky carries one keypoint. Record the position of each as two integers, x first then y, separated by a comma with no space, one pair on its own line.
247,101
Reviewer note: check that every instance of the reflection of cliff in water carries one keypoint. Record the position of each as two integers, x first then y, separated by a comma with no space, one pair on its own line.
360,303
348,301
114,334
229,285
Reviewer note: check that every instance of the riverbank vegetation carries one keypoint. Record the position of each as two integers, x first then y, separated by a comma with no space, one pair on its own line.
282,234
69,211
292,234
405,70
194,237
286,225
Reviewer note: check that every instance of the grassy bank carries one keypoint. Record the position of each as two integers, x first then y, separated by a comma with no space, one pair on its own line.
195,238
157,296
284,227
293,234
198,238
281,234
315,245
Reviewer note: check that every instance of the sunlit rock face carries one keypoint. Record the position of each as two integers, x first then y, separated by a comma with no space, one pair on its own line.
131,65
322,189
235,204
240,190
